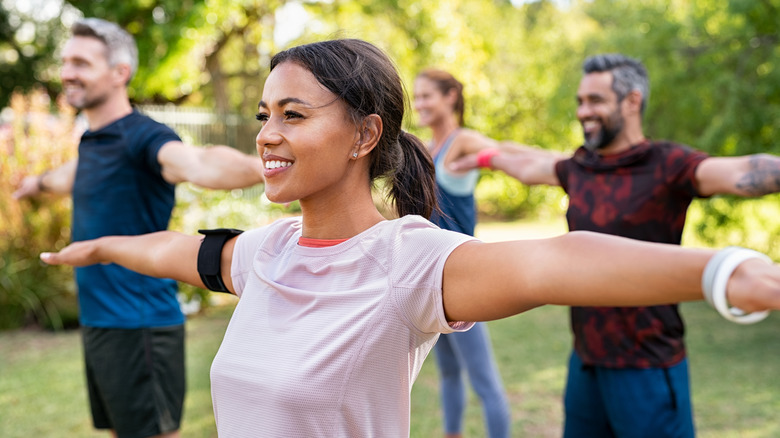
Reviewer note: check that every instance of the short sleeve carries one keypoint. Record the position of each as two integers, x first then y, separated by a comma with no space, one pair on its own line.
562,172
682,162
250,242
417,268
150,136
244,250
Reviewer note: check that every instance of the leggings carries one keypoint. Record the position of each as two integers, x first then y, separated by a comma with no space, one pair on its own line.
471,351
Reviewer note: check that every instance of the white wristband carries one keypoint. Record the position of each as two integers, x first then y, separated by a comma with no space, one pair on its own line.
715,277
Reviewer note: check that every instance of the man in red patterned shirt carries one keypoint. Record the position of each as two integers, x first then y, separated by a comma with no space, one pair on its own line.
628,372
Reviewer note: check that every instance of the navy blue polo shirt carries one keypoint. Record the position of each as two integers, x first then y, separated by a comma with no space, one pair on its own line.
119,190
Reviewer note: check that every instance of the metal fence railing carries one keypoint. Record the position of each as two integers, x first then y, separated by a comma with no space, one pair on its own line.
201,126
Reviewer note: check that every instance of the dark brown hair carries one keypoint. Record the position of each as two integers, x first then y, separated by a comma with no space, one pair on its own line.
366,80
445,82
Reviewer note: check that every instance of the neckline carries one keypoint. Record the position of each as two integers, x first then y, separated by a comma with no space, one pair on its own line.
112,123
592,159
309,242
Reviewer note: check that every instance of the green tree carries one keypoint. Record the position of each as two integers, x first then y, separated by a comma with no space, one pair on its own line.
28,38
200,52
714,85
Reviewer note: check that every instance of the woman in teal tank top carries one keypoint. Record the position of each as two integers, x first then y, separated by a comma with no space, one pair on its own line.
438,101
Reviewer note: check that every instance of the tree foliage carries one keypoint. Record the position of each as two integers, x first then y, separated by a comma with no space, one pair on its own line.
28,39
714,82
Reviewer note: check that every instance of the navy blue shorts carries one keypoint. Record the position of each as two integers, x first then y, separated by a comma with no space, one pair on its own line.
627,403
135,379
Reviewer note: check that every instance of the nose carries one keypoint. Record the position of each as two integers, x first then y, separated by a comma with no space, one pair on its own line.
417,103
584,111
268,136
67,72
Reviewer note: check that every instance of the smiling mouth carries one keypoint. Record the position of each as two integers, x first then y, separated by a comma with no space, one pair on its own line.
276,164
73,84
590,125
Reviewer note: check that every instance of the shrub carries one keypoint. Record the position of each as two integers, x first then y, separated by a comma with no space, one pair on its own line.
34,140
726,220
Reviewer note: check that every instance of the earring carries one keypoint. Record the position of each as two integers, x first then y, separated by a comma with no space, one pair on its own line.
354,154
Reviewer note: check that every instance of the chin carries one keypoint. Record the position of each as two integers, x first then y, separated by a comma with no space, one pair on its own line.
78,104
278,199
593,142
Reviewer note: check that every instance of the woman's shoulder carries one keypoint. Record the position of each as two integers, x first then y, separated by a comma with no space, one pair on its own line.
279,230
417,234
468,141
409,223
418,249
470,135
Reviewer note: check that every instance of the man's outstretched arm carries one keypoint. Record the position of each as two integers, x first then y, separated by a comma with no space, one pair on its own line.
212,167
58,181
747,175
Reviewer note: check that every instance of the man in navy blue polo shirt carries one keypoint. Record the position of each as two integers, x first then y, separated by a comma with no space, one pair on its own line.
123,183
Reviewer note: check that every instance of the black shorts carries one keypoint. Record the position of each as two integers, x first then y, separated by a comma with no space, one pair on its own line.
135,379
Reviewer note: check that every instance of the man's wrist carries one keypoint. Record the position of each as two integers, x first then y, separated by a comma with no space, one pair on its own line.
41,185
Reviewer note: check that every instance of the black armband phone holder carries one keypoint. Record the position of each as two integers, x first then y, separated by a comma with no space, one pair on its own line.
210,257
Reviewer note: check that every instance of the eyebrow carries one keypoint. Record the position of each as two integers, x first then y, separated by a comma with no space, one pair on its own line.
590,96
76,57
284,102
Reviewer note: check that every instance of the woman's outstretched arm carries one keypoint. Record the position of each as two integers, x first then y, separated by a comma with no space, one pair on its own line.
164,254
486,281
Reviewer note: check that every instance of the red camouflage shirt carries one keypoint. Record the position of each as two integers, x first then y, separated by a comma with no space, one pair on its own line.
644,194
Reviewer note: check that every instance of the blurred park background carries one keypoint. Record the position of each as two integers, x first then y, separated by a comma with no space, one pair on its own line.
715,85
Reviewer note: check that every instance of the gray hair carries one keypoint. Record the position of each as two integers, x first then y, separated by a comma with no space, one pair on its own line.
120,45
628,74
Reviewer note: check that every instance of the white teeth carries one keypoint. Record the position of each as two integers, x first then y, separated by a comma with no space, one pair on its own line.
589,124
277,164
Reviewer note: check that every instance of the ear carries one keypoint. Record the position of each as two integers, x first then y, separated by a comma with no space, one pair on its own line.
122,73
451,97
633,102
369,133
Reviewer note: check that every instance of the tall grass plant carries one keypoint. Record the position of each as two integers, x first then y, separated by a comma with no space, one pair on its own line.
34,138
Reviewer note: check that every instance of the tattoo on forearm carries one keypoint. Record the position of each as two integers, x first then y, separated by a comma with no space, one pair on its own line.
763,177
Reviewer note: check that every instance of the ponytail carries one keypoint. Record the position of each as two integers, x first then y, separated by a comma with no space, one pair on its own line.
413,184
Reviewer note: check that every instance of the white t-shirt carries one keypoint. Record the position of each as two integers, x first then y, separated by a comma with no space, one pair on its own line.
326,342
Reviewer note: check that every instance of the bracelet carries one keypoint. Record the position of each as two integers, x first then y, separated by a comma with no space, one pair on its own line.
41,187
715,277
485,156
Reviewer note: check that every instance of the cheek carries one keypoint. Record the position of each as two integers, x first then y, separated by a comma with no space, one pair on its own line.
95,81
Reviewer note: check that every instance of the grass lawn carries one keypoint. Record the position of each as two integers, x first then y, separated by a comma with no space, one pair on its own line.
736,389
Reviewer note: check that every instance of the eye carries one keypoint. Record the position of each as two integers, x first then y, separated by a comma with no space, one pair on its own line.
261,117
292,115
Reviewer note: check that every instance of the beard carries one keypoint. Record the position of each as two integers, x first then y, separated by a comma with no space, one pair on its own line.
610,129
82,99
